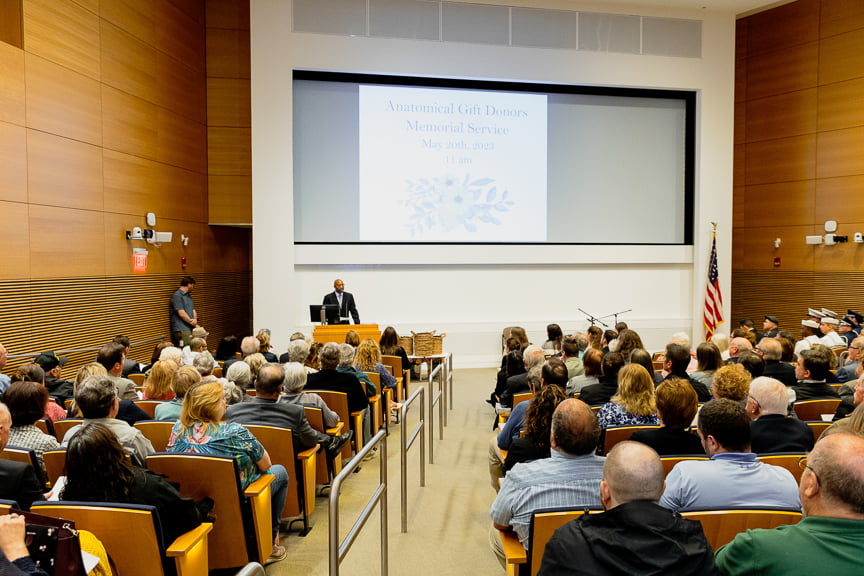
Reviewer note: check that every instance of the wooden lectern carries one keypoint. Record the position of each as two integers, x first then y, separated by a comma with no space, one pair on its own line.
336,332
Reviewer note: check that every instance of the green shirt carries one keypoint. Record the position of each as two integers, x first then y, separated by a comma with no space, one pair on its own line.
816,545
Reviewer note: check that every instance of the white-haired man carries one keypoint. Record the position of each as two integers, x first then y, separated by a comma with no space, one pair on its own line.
772,430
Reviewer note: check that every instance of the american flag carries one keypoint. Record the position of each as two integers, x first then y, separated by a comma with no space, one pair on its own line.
713,315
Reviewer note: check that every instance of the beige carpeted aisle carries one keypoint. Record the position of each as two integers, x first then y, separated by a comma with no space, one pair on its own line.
448,520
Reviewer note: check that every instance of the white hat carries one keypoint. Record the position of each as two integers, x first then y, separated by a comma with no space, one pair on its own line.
814,313
810,323
829,320
831,313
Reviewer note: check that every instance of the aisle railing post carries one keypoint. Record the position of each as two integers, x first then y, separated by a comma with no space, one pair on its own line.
406,444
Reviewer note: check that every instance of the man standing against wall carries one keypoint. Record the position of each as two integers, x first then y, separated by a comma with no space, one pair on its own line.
183,315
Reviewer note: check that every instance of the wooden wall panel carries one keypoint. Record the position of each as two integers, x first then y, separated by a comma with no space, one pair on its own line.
228,14
136,306
129,124
228,53
840,153
63,32
787,203
13,163
841,57
783,293
194,9
128,63
841,105
230,199
12,86
840,199
65,241
229,151
755,247
781,71
136,18
783,27
738,169
790,114
162,259
15,262
62,102
64,172
181,90
848,256
783,160
839,16
227,248
131,184
179,34
229,102
182,142
185,192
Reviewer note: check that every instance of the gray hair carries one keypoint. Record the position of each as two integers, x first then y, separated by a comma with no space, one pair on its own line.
298,351
346,354
234,394
329,356
295,378
204,363
680,338
171,353
239,373
770,394
533,356
249,345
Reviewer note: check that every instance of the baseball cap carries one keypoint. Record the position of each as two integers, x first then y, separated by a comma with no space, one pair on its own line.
49,360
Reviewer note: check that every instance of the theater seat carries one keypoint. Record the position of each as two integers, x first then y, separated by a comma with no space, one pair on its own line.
721,526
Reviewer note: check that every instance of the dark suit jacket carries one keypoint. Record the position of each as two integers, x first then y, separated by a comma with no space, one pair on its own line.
266,412
781,371
846,373
702,392
348,305
517,384
18,481
814,391
777,433
601,392
669,441
339,382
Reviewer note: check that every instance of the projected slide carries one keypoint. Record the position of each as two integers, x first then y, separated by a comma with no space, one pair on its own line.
443,165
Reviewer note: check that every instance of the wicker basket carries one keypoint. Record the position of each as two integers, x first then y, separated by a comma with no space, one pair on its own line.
407,344
428,343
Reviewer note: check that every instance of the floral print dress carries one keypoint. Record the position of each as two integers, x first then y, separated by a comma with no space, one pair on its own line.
220,439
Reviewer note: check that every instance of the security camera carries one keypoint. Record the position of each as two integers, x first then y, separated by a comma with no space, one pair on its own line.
858,238
135,234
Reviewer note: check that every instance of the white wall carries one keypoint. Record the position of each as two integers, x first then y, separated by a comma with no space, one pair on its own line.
471,293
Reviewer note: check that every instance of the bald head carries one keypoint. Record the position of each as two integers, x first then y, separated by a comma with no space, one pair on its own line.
632,471
575,430
833,484
3,355
738,345
771,348
533,356
5,425
249,345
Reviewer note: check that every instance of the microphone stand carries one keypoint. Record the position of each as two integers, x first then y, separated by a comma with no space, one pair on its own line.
615,314
591,318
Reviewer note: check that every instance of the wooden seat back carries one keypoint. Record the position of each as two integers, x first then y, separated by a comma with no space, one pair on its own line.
784,460
45,425
818,428
138,379
394,364
132,537
669,462
148,406
521,397
322,469
26,456
338,402
61,427
721,526
242,532
375,404
808,410
55,463
612,436
157,431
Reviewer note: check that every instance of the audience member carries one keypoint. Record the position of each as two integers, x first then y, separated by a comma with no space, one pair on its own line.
554,338
368,359
195,347
772,351
676,408
830,337
157,386
809,336
249,345
629,340
533,444
240,375
97,399
347,354
607,385
129,365
736,347
26,403
171,354
721,340
811,372
634,535
771,429
708,360
511,365
33,373
111,356
592,362
18,481
298,351
752,363
4,379
264,346
830,537
531,356
52,364
204,364
732,476
328,378
352,337
851,369
570,477
202,429
295,380
570,356
389,344
254,361
848,404
595,338
731,381
771,326
227,348
642,357
633,405
676,362
312,360
184,378
15,559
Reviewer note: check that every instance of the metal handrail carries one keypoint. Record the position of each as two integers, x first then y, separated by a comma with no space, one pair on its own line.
338,551
435,398
406,444
449,378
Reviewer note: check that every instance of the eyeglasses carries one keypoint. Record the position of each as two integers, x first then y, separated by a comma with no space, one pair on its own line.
802,463
759,406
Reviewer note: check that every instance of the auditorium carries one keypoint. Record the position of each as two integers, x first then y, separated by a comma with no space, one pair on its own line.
686,167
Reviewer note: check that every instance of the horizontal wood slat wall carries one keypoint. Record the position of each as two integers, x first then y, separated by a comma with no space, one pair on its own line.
799,144
74,313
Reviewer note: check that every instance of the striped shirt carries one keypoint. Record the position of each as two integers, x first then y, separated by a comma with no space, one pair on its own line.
562,480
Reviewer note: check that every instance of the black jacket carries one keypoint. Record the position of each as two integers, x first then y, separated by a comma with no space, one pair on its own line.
781,371
638,537
339,382
702,392
778,433
670,441
601,392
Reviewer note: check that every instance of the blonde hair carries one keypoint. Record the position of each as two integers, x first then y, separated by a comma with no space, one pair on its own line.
203,403
264,341
160,379
185,378
636,391
254,361
91,369
368,355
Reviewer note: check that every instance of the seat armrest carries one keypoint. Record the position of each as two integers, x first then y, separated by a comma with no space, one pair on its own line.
309,453
190,552
186,542
259,486
514,552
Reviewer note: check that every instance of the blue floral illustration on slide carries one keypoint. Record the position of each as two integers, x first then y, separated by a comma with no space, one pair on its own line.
447,204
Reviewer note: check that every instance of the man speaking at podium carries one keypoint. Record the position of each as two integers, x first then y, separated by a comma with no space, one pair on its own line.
344,300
